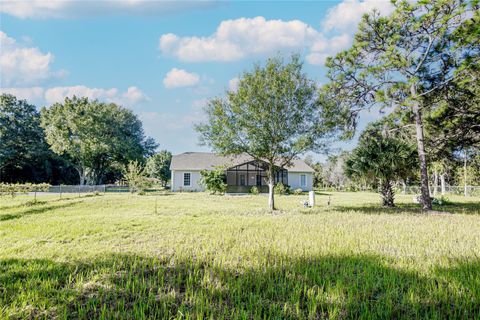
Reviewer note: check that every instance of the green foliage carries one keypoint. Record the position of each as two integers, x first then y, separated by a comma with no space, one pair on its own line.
298,192
382,160
13,188
274,116
135,176
254,190
98,138
158,166
280,188
214,181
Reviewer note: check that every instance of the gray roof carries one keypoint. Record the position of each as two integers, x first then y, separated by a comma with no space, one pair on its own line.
210,161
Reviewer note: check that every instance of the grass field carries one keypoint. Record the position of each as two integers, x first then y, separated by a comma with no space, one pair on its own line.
200,256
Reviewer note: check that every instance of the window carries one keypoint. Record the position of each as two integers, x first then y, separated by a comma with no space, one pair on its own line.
186,179
242,179
303,180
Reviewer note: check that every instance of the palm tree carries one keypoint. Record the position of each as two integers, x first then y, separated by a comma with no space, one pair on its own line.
382,160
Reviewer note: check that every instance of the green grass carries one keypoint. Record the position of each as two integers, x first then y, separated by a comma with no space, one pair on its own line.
200,256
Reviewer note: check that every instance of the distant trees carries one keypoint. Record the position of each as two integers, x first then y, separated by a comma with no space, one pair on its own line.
382,160
158,166
24,153
274,116
405,60
96,137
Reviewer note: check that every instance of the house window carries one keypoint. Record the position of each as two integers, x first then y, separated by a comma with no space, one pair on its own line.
186,179
303,180
242,179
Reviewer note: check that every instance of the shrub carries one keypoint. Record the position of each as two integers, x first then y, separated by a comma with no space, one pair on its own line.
135,176
12,189
254,190
441,201
280,188
298,191
214,181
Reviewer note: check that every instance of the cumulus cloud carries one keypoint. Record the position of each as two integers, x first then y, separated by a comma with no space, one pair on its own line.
346,15
20,65
239,38
177,78
33,95
131,97
81,8
235,39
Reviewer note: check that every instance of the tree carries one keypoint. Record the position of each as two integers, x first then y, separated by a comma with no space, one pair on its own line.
381,160
274,116
402,60
318,174
135,176
96,137
214,180
158,166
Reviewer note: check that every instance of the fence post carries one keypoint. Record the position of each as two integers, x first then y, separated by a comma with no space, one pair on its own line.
79,186
60,191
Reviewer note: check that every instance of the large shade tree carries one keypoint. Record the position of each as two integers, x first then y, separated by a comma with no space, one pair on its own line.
402,60
274,116
96,137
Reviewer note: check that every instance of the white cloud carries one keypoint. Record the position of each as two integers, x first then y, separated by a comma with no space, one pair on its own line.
129,98
177,78
81,8
346,15
33,95
235,39
233,84
20,65
239,38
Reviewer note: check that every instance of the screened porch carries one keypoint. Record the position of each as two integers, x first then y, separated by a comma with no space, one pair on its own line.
244,176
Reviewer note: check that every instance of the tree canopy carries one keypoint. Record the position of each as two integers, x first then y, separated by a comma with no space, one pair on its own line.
158,166
97,137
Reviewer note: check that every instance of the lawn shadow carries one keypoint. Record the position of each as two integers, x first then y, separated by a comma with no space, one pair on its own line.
40,207
132,286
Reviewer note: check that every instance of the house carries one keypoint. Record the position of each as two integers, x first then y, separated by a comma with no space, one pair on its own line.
242,172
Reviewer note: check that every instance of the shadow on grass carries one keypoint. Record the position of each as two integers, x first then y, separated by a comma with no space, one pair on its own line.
464,208
135,287
38,208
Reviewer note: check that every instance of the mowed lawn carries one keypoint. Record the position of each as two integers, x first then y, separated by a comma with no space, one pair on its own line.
200,256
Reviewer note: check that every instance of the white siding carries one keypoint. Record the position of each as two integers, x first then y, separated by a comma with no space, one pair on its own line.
294,181
177,181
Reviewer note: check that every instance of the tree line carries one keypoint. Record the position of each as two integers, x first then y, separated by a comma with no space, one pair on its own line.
78,141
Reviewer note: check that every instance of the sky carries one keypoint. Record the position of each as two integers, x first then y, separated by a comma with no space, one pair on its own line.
164,59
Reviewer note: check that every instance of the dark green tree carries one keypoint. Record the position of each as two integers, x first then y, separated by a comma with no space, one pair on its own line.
158,166
402,60
274,116
381,160
97,137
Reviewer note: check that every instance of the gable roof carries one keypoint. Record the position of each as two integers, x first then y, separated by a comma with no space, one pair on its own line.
210,161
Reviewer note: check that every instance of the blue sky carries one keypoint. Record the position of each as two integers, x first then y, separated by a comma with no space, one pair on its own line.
163,59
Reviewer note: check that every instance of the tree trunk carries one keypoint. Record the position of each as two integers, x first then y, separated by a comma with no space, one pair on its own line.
404,189
435,183
388,195
81,174
465,190
442,183
271,186
426,201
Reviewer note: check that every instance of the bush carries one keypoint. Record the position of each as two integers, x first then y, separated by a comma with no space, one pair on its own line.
280,188
297,191
441,201
254,190
12,189
214,181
